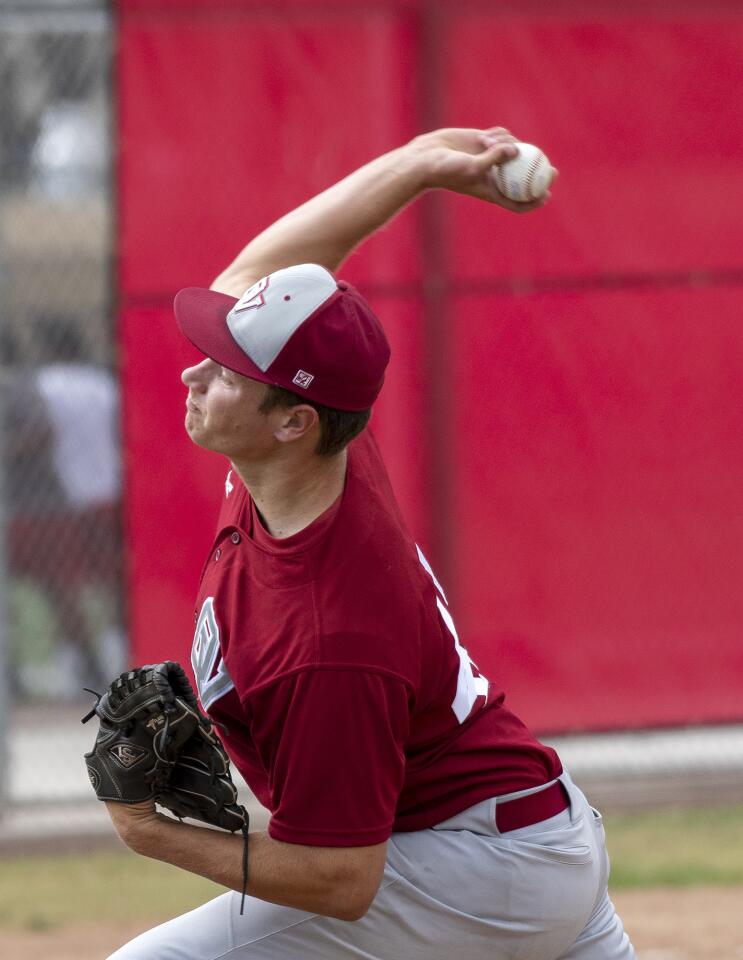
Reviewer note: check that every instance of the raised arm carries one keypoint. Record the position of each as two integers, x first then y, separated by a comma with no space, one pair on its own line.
328,227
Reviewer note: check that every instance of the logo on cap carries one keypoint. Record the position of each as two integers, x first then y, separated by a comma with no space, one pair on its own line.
253,296
303,379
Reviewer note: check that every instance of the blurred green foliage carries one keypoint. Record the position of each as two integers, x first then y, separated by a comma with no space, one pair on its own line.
676,847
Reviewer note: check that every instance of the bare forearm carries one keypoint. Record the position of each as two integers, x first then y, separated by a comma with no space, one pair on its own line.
328,227
318,881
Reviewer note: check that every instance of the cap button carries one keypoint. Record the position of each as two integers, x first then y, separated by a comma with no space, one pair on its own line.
342,285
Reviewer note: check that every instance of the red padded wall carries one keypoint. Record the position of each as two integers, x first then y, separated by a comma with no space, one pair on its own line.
229,122
640,115
584,402
599,502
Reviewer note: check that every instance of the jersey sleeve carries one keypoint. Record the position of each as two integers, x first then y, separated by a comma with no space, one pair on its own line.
332,744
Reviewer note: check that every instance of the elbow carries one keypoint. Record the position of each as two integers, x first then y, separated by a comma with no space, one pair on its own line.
351,898
351,907
346,880
359,910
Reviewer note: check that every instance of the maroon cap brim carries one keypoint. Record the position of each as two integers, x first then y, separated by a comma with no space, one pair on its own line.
202,318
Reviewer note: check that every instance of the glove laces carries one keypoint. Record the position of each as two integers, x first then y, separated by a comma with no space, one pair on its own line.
91,713
245,828
161,740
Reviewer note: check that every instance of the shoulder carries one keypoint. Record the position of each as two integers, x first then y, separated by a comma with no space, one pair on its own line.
378,549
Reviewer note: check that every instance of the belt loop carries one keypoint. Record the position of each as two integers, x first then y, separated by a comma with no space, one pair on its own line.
534,807
492,808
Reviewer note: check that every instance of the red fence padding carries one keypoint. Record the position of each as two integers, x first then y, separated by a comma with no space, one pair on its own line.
648,147
225,126
599,503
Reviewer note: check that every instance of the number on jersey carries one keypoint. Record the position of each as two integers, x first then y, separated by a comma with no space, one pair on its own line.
469,685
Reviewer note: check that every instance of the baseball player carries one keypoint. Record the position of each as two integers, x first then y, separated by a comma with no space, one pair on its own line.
413,816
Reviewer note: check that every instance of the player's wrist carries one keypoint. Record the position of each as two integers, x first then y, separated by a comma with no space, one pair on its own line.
134,821
414,162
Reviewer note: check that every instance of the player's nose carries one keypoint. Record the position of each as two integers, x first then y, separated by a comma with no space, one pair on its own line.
195,377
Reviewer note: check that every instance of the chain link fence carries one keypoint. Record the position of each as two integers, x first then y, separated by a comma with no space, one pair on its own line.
61,599
61,478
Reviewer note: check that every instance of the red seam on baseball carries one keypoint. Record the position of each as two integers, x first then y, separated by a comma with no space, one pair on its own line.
531,172
528,179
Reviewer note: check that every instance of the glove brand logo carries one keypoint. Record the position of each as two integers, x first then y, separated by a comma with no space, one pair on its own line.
155,723
127,755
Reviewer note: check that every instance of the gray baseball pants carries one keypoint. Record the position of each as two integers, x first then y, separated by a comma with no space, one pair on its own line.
459,890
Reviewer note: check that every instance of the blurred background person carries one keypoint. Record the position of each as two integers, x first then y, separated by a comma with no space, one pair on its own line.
64,498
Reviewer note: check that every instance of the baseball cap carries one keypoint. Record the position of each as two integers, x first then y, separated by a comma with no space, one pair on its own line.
297,328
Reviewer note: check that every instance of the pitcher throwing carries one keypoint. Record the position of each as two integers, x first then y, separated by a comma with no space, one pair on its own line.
413,816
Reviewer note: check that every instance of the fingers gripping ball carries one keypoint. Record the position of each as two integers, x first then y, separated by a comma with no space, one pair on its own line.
525,177
146,716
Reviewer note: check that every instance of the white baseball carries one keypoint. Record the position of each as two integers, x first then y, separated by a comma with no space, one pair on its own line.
525,177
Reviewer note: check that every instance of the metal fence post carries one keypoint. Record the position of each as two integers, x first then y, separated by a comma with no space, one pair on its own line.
4,628
55,238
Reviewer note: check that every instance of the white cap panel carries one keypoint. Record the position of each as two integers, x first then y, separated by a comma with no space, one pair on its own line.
269,312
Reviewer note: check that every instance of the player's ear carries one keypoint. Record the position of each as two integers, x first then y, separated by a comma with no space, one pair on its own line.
295,423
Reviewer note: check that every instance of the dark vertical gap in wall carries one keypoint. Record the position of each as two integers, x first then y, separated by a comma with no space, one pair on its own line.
437,426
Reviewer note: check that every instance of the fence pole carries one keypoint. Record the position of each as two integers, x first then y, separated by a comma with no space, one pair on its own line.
4,626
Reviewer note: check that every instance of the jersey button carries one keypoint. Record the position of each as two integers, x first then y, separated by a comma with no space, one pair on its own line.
235,538
218,553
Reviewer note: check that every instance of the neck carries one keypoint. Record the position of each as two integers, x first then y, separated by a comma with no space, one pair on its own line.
289,493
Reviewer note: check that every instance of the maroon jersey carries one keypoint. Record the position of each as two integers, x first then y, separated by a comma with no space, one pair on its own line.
332,663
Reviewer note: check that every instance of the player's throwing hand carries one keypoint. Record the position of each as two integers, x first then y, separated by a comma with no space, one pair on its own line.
461,159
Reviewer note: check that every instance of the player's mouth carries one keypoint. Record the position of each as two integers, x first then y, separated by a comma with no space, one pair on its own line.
191,407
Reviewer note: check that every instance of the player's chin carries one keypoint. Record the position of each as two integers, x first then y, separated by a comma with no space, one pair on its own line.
194,429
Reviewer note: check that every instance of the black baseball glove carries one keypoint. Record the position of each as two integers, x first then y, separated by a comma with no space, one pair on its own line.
155,744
